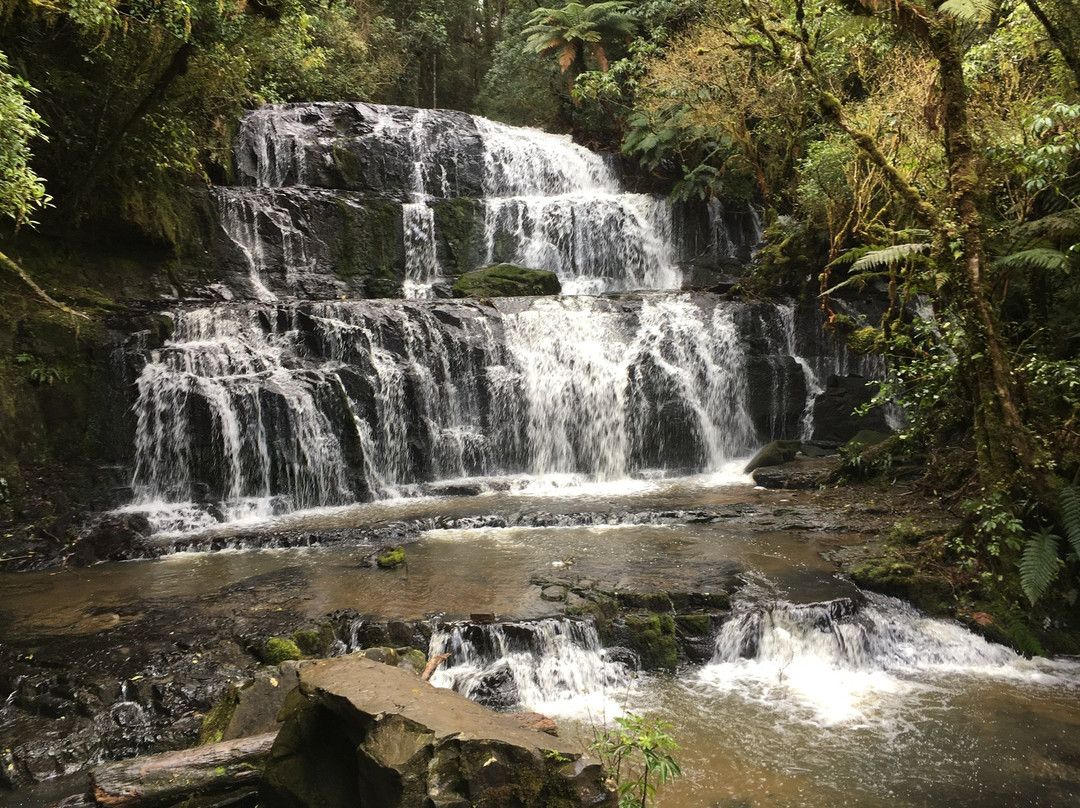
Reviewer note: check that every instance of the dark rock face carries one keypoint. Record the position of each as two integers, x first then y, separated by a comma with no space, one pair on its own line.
360,733
507,280
834,418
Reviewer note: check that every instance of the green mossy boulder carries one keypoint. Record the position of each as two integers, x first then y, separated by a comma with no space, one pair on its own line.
279,650
774,454
393,557
652,638
507,280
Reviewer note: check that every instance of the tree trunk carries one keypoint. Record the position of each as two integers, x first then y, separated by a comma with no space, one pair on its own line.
203,776
1008,455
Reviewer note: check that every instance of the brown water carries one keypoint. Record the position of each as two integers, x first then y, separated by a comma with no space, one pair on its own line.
797,731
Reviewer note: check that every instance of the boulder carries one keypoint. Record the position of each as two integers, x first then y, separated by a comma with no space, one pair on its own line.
507,280
773,454
357,733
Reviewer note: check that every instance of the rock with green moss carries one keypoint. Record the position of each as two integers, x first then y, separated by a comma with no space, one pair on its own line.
653,639
507,280
315,642
773,454
278,650
393,557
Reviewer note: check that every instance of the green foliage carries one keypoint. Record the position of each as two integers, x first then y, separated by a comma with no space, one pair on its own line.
574,29
1070,517
1039,564
22,191
970,10
637,753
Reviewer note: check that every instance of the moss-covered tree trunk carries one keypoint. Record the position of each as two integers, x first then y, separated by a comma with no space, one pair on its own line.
1008,455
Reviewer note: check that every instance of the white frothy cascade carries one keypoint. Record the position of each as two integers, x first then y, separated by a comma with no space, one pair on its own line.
544,202
555,667
260,410
837,662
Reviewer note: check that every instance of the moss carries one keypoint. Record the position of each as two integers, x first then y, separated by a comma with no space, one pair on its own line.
457,226
217,720
694,625
652,601
507,280
279,650
393,557
867,340
315,642
415,659
653,639
903,580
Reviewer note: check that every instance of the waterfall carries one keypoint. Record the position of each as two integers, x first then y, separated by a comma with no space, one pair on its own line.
251,411
544,202
827,661
555,667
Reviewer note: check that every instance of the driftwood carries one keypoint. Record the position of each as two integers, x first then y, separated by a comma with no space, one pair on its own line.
214,771
433,663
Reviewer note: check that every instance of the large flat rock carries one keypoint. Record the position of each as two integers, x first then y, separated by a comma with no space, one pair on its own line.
358,733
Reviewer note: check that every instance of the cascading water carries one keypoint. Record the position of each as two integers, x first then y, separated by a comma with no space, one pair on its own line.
542,201
250,411
555,667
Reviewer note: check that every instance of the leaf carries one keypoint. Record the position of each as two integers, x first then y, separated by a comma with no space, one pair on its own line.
1039,564
1041,258
889,256
1070,516
969,10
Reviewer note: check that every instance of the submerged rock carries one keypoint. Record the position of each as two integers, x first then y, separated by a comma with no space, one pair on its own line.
356,732
507,280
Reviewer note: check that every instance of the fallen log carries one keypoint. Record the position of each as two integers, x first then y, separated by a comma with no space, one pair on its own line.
212,772
433,663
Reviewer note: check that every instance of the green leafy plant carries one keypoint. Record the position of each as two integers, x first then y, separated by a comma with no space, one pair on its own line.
637,753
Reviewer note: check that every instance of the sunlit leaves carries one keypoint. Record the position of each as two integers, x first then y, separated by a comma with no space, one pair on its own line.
21,190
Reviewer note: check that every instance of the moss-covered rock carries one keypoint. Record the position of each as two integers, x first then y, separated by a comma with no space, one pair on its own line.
506,280
315,642
652,638
773,454
393,557
278,650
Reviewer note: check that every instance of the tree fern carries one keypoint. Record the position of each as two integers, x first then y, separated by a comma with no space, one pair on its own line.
970,10
889,255
1039,564
1042,258
1070,516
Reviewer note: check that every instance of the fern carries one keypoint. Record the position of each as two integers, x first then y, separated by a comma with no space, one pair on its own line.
970,10
889,255
1070,516
1039,564
1041,258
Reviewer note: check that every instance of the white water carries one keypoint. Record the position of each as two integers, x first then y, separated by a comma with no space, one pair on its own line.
258,412
553,667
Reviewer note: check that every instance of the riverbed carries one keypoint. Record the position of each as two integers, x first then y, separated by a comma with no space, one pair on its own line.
873,705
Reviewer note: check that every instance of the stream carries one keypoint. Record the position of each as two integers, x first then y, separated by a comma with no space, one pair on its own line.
844,700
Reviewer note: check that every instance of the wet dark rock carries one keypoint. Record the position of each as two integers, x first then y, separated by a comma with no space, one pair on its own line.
801,473
834,418
112,537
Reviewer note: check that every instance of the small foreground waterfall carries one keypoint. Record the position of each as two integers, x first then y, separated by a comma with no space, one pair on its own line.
554,667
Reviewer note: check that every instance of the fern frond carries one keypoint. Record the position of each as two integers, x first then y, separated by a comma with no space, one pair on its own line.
1039,564
1041,258
1062,224
1070,516
859,280
889,255
852,25
970,10
850,257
